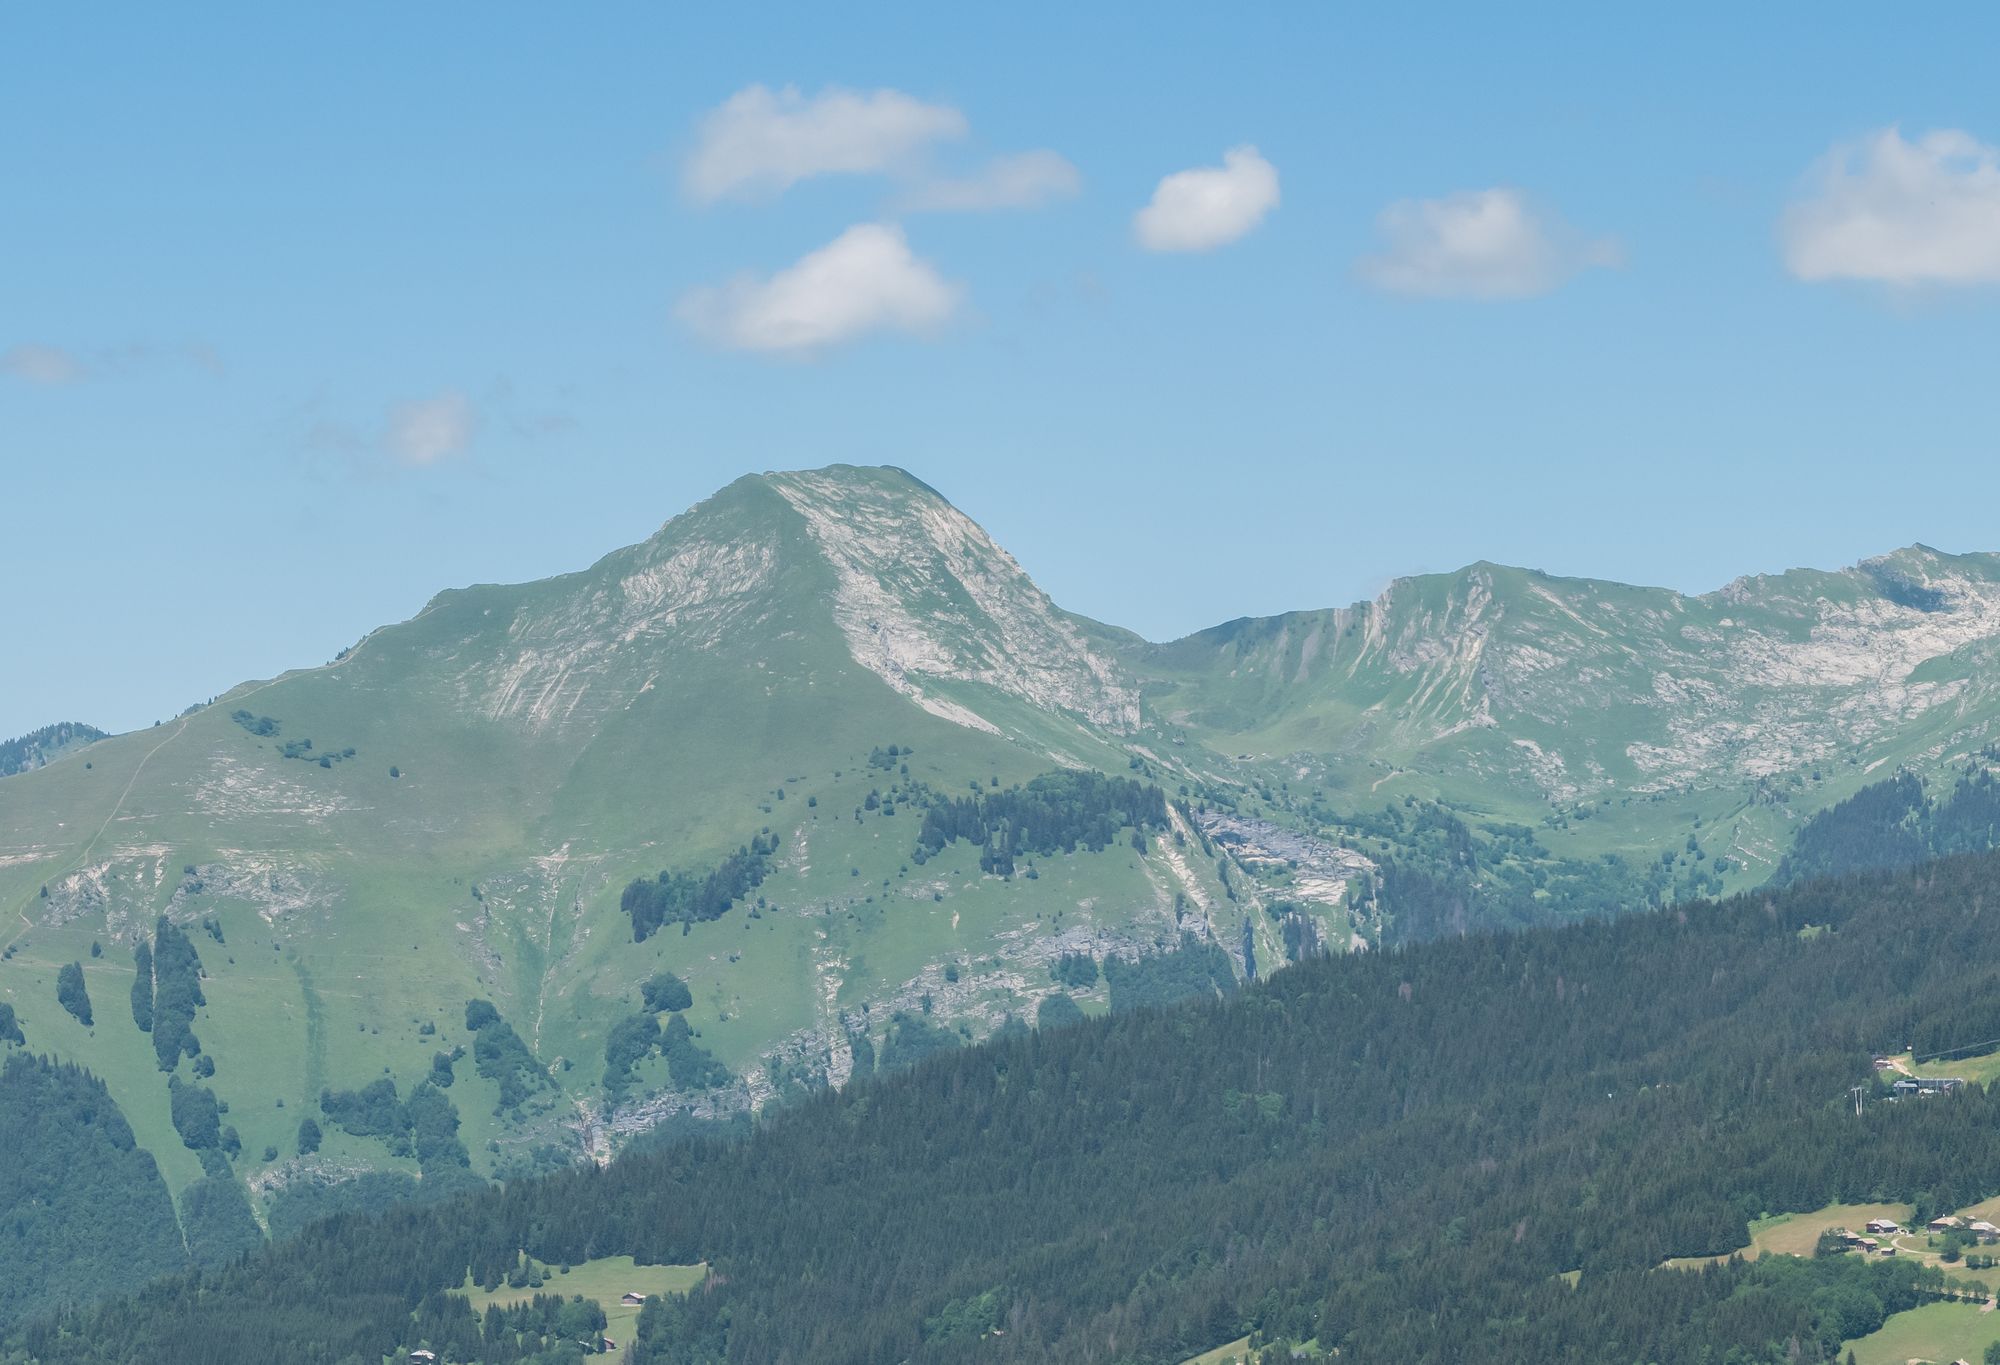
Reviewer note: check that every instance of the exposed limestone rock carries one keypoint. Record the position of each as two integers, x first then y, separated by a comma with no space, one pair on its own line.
924,594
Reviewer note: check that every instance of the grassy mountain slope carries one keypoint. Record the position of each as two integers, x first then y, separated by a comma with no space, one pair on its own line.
1610,716
453,809
484,779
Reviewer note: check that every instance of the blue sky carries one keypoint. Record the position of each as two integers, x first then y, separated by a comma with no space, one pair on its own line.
305,315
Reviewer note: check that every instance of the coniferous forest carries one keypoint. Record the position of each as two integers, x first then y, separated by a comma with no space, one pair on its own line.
1394,1153
1896,823
86,1212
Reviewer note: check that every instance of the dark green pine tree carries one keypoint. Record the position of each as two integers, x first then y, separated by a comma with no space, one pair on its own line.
71,994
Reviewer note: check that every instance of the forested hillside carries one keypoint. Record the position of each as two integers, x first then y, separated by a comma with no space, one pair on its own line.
38,747
83,1211
1896,823
1396,1153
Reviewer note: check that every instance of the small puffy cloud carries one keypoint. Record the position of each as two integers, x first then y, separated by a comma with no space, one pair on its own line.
44,365
1480,244
762,141
865,280
1023,180
1209,206
1894,211
426,430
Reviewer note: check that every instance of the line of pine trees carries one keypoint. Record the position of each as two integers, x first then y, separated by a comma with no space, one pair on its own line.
691,898
1054,813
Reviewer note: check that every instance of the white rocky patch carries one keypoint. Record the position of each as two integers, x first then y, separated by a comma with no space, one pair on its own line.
231,789
276,886
922,593
687,592
1817,667
1320,870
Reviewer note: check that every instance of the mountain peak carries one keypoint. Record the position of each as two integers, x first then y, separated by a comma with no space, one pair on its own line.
920,595
929,602
877,475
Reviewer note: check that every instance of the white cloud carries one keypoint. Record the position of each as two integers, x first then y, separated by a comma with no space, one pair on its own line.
1480,244
763,141
1906,213
44,365
1023,180
426,430
865,280
1210,206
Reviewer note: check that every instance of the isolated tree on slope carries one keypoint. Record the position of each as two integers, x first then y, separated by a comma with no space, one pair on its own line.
71,993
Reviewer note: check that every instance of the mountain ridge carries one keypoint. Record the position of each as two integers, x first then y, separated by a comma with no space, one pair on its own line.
1735,590
827,663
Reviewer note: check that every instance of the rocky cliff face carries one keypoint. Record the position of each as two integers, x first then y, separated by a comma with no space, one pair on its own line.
924,596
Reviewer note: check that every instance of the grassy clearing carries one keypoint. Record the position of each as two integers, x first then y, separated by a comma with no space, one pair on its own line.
1981,1070
1956,1271
1238,1351
1926,1248
606,1280
1936,1332
1796,1234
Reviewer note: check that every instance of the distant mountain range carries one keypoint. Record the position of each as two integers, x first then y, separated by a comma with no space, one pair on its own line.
848,728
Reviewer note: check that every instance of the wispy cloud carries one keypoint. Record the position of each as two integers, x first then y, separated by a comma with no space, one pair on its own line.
1209,206
448,427
1022,180
866,280
1480,244
48,366
51,366
762,141
1894,211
